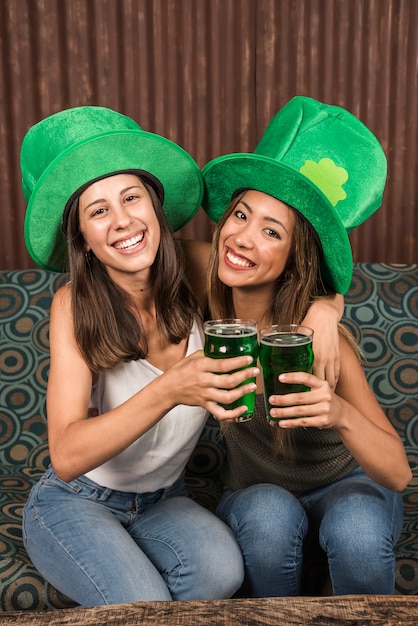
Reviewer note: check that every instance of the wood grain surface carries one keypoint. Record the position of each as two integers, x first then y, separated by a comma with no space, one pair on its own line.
324,611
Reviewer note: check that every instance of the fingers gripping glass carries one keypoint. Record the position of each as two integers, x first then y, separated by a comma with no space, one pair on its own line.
284,348
226,338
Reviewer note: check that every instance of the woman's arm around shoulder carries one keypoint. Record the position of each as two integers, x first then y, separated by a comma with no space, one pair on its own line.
323,316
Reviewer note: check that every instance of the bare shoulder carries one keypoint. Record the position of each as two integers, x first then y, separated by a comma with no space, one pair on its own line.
62,298
66,357
61,318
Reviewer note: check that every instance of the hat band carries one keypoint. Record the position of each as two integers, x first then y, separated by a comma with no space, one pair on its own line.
152,180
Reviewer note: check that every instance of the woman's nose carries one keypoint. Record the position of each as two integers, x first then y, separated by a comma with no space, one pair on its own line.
244,238
121,218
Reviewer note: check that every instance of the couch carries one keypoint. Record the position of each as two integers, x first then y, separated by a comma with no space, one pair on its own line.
382,312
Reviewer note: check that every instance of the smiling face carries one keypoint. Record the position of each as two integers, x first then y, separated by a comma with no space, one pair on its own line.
119,224
255,241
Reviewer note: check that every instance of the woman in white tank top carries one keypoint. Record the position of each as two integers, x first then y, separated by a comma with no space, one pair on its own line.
129,388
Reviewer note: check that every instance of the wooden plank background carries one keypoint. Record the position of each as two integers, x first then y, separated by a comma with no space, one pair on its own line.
209,74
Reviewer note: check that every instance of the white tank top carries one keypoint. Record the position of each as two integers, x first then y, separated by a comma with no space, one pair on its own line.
155,460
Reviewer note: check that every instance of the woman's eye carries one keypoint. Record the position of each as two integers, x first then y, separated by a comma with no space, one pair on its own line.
272,233
239,214
131,198
99,211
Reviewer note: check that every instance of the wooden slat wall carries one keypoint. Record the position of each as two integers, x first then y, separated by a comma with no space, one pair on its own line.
209,74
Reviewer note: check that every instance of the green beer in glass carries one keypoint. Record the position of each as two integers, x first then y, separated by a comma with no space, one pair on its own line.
284,348
228,338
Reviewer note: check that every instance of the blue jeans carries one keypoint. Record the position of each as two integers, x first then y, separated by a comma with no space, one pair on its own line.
99,546
356,522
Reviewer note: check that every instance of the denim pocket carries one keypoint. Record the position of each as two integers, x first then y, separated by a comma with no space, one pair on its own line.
82,487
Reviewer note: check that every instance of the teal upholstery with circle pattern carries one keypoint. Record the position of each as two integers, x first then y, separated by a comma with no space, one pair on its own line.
381,311
25,299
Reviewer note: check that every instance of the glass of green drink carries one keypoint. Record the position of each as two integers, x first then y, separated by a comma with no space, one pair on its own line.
284,348
228,338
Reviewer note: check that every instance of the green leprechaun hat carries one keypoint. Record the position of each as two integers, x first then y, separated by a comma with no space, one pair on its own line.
65,152
319,159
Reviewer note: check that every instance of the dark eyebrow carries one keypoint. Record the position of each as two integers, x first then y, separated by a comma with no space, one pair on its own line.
267,219
122,191
98,201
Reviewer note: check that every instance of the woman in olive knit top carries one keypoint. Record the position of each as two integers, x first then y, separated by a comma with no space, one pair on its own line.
334,465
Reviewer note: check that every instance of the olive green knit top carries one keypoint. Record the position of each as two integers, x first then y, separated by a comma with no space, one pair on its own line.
318,456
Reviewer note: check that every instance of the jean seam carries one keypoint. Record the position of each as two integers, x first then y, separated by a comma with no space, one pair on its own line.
71,558
137,538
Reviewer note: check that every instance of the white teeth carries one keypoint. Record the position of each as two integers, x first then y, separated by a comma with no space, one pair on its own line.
129,243
238,260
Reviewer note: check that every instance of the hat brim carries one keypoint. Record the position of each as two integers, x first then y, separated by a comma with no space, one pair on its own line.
95,158
227,174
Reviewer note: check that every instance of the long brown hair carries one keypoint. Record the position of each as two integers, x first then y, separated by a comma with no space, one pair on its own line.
297,287
107,326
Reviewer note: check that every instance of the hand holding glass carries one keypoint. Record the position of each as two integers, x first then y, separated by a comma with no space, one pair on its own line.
229,338
284,348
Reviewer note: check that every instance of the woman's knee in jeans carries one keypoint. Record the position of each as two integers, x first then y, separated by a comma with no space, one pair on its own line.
365,520
358,533
266,519
270,524
226,564
261,506
211,568
361,562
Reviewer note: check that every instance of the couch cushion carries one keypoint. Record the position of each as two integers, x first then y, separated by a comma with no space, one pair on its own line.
25,300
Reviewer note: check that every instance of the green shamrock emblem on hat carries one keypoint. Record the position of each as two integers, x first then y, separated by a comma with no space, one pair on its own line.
328,176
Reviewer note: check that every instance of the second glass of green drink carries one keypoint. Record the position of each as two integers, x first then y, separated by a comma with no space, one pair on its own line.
227,338
284,348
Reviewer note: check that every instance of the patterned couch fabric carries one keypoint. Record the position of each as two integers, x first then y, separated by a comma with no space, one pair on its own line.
381,311
25,299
